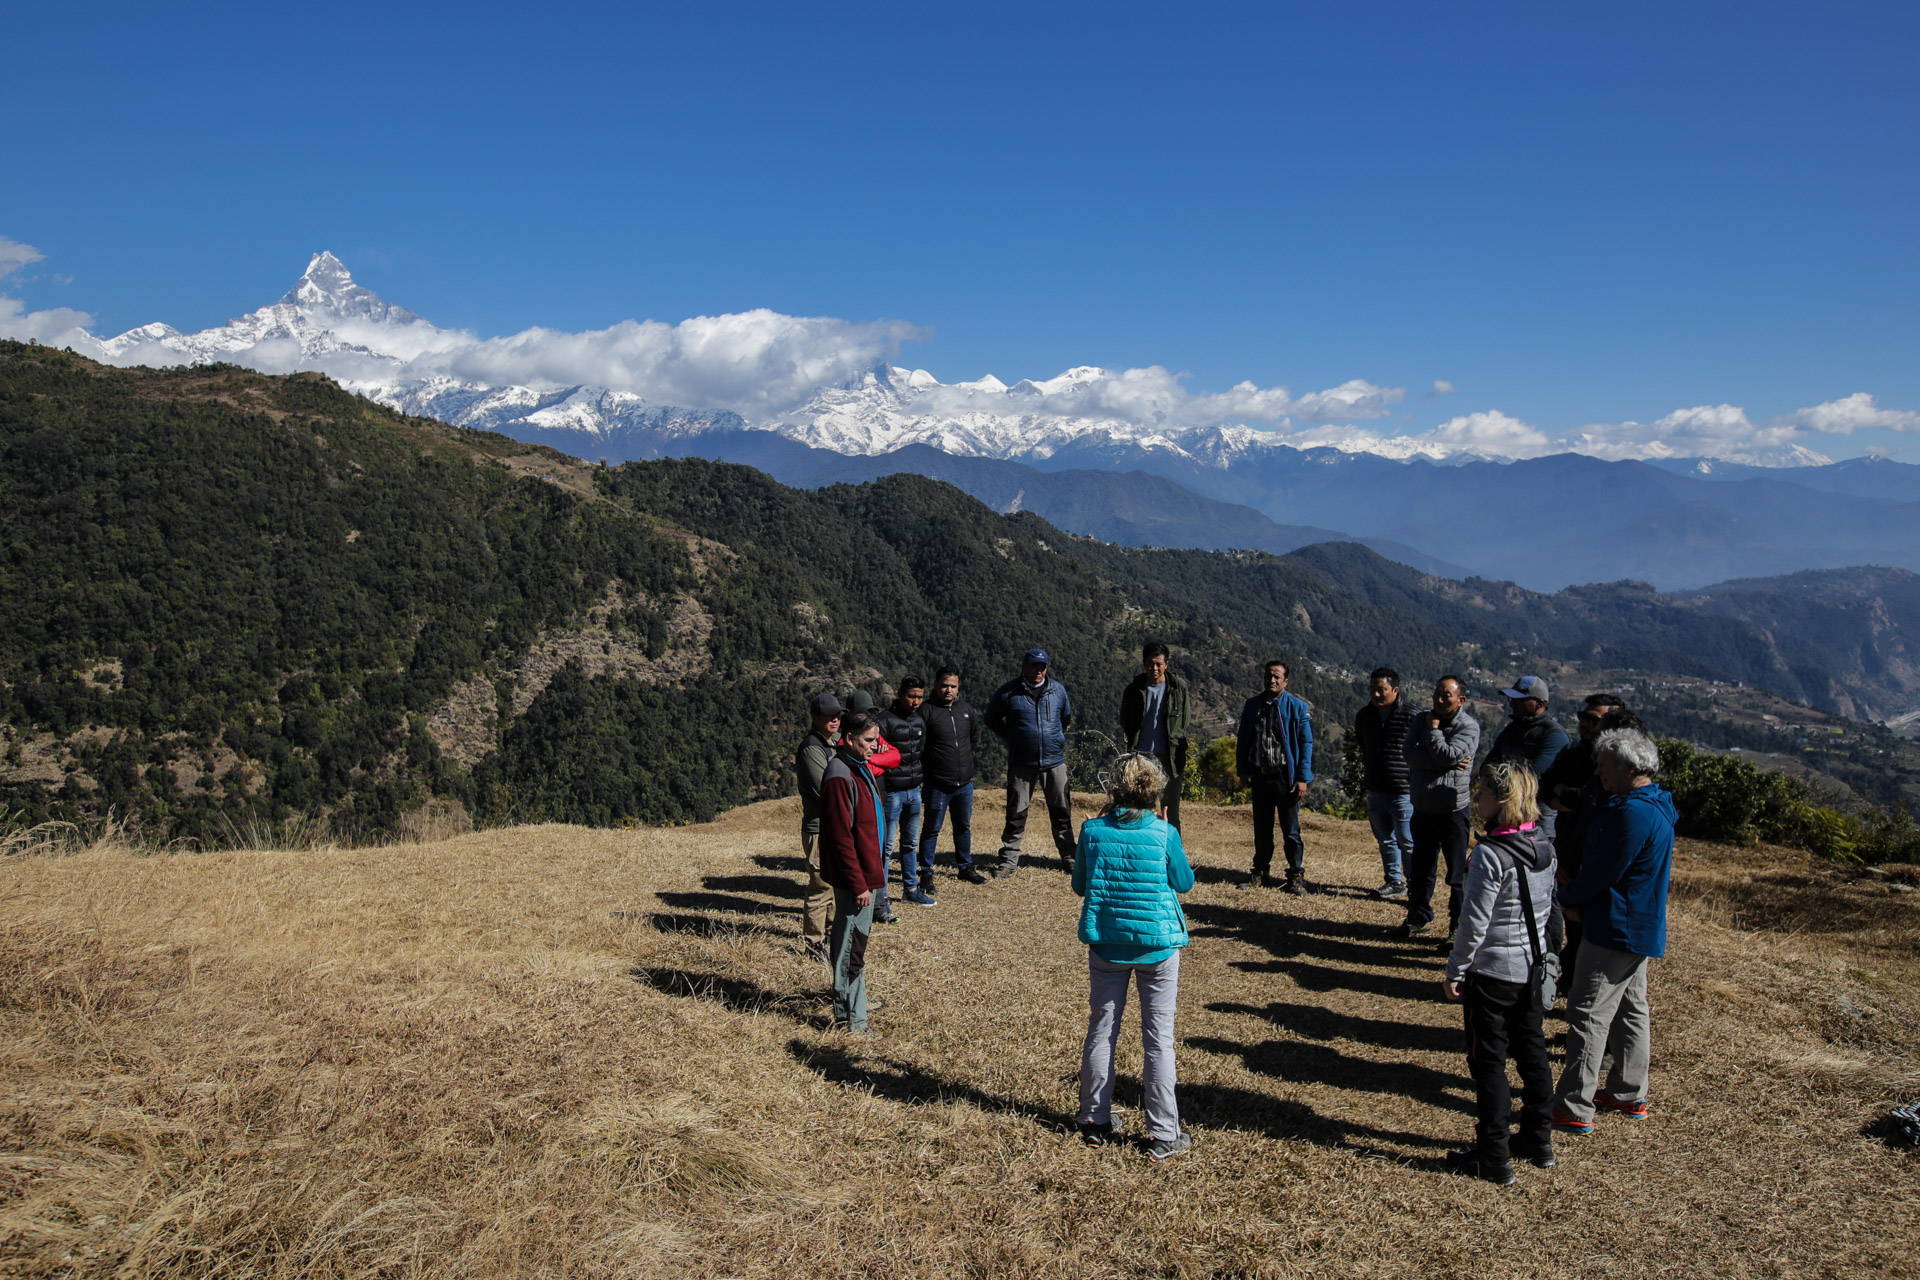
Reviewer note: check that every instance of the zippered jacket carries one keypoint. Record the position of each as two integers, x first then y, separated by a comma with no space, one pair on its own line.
1492,938
909,734
1131,869
1433,780
1625,869
810,761
953,735
850,824
1383,746
1295,725
1032,722
1133,714
1535,741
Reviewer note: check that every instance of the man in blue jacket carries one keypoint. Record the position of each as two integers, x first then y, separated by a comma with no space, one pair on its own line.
1275,757
1031,715
1620,899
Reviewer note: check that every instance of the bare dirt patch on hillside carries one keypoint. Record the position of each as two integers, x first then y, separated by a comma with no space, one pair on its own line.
561,1051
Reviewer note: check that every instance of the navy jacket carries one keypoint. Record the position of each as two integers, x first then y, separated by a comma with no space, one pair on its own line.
1296,731
1032,722
1621,890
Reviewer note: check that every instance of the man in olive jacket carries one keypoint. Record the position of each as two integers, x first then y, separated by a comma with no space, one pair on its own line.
810,761
1153,720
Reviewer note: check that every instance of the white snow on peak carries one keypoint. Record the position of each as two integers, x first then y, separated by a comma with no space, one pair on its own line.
824,383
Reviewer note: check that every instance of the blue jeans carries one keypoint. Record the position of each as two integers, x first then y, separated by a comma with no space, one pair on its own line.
903,821
939,800
1391,817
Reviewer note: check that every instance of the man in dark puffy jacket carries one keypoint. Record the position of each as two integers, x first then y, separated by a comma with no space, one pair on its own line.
1380,727
1031,714
1530,736
953,735
1153,719
902,725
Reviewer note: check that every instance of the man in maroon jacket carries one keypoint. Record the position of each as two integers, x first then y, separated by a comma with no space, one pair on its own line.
850,825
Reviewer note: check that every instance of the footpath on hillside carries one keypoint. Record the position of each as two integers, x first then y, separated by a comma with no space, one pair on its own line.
567,1051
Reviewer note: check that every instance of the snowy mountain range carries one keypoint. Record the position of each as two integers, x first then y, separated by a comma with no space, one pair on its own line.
819,383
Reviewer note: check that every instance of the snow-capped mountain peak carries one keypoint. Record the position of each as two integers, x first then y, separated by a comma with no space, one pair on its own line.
328,287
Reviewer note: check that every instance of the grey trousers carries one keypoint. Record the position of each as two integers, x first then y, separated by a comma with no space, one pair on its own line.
1607,1012
819,895
1053,784
1107,1004
852,926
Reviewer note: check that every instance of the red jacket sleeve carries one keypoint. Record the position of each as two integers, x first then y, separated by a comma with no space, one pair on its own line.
884,759
839,853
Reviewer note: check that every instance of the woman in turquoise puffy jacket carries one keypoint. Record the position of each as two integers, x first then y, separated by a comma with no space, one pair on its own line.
1131,871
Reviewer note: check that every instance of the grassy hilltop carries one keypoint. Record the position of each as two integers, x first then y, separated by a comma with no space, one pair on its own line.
553,1050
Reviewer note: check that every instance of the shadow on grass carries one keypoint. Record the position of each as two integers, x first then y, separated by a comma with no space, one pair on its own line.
699,926
903,1082
721,902
1337,942
1323,978
781,862
1224,1107
1291,1060
736,995
766,886
1318,1023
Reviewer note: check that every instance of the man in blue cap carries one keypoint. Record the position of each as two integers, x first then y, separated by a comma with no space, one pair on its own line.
1031,714
1530,736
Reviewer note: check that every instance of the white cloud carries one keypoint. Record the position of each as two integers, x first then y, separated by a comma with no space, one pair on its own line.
59,327
1856,412
1488,434
755,362
1441,387
14,255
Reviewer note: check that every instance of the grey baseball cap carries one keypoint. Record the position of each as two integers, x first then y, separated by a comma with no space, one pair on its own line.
1527,687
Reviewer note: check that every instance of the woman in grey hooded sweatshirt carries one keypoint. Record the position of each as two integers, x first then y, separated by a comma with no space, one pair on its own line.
1493,954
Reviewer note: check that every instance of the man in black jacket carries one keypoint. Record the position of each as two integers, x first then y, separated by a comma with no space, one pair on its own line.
946,760
1153,719
902,725
1381,729
1530,737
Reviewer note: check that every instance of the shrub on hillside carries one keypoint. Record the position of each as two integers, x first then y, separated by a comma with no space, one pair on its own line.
1722,797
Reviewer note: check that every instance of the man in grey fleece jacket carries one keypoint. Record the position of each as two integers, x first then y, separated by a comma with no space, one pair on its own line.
1439,752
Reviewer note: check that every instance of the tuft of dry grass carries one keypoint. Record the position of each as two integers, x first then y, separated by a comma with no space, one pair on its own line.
558,1051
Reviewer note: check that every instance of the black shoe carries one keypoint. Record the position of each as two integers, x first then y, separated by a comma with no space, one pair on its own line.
888,918
1295,885
1537,1152
972,876
1475,1165
1098,1135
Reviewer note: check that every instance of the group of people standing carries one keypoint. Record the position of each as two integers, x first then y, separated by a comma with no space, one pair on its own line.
1568,873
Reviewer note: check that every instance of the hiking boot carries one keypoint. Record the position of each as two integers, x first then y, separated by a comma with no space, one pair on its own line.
1296,885
972,875
921,898
888,918
1005,869
1391,892
1487,1168
1537,1152
1408,929
817,950
1255,880
1631,1110
1098,1135
1564,1123
1161,1148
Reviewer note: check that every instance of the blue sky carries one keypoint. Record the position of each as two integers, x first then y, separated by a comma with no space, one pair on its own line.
1574,215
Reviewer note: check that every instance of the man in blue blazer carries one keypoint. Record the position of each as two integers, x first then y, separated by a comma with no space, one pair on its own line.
1275,758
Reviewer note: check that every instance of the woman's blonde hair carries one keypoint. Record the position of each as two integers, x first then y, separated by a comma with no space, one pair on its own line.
1518,790
1136,782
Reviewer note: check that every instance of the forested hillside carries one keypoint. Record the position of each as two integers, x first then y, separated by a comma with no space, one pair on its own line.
231,601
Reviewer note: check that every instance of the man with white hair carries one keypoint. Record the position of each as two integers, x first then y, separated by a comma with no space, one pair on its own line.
1620,899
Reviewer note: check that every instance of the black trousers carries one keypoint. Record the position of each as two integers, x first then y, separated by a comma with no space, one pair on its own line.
1437,836
1502,1023
1172,798
1273,800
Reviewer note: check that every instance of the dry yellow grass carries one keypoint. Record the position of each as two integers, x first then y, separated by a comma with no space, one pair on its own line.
559,1051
